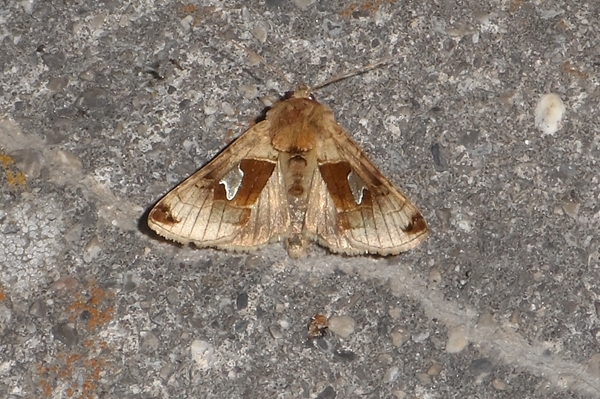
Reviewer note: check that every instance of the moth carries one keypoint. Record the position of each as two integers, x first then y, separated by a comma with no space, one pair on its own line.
296,177
318,326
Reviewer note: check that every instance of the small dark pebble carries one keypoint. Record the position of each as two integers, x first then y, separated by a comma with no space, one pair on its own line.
242,301
85,315
481,366
327,393
346,355
38,308
65,333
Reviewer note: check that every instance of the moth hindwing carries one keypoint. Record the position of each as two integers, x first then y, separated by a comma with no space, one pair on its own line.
298,177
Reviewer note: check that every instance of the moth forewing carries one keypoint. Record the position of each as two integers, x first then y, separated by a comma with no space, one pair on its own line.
296,176
397,223
212,209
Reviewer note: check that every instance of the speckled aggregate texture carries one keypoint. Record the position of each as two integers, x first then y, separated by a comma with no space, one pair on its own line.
105,106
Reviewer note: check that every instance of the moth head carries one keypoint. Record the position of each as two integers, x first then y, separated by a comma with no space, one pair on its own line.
302,91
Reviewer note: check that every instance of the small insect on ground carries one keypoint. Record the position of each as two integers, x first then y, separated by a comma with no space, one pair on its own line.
318,326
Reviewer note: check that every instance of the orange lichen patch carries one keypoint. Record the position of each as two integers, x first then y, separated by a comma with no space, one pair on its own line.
197,11
187,8
95,365
14,177
2,295
80,370
46,387
64,367
66,371
366,7
99,313
515,5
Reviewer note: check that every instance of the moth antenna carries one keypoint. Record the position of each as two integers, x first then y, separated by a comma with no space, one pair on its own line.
262,60
358,71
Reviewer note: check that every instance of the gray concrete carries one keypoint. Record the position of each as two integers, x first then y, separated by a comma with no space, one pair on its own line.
106,106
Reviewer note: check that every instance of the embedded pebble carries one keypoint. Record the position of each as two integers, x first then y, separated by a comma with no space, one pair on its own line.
280,307
420,337
87,76
283,323
499,385
203,353
548,113
65,333
68,161
391,374
172,296
399,394
593,365
303,4
395,313
260,33
129,283
187,22
167,371
241,302
400,335
457,340
64,285
38,308
249,92
571,208
434,278
73,235
92,250
342,326
5,317
423,378
486,320
149,342
327,393
98,20
94,99
227,109
29,161
440,160
275,332
481,367
57,84
435,369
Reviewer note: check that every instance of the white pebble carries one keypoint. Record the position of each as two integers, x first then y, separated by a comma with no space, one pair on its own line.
391,374
457,341
418,338
303,4
400,335
203,353
548,113
342,326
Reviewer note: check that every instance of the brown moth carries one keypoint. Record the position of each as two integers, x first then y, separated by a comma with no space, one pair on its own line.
295,177
318,326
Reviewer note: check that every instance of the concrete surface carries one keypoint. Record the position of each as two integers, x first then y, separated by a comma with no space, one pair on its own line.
105,106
